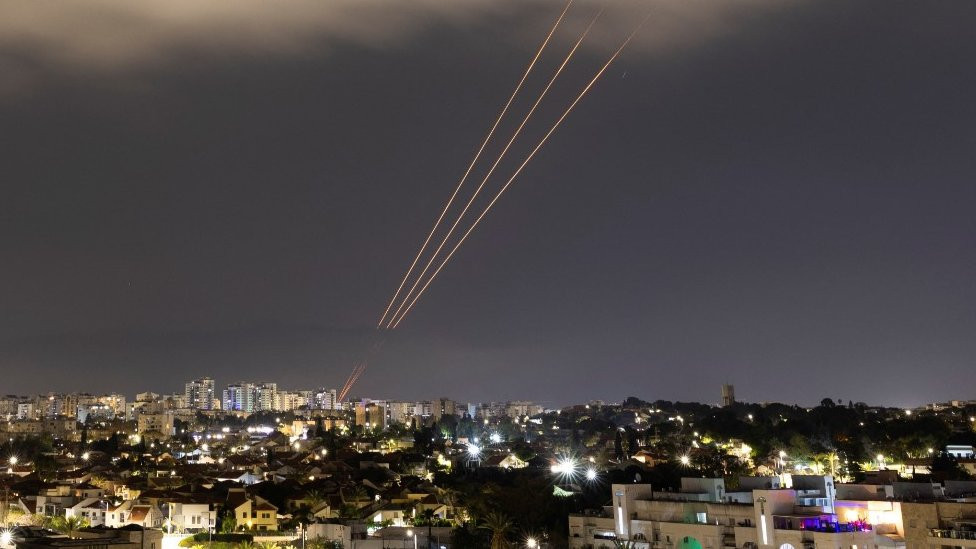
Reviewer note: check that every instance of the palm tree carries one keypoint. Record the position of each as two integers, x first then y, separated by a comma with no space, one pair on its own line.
428,517
500,526
68,525
452,498
314,498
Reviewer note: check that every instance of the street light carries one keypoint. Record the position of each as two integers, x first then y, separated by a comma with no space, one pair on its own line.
411,535
531,543
565,467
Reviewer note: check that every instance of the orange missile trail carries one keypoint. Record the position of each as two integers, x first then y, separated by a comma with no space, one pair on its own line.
477,155
491,170
397,320
350,381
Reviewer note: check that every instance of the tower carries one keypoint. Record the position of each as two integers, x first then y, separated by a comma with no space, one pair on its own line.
728,394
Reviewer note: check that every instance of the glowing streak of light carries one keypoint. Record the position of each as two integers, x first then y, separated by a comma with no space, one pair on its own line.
477,191
528,158
477,155
350,381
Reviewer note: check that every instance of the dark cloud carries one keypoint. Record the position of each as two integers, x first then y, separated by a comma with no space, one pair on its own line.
781,198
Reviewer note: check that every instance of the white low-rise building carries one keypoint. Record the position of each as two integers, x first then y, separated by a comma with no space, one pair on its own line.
703,515
92,510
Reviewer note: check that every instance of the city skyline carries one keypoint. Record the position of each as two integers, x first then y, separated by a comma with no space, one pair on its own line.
777,196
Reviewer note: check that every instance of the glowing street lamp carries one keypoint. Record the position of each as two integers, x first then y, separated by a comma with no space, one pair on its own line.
565,467
591,474
531,543
685,460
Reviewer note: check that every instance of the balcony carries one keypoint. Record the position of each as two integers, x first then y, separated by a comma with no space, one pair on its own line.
953,534
822,523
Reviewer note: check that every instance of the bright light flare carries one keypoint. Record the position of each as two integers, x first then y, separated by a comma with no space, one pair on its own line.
474,450
495,438
591,474
685,460
565,467
531,543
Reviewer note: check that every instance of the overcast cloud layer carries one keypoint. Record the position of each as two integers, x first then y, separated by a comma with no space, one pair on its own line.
774,194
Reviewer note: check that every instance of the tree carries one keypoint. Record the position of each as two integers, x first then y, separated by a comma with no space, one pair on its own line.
427,517
500,526
632,444
618,446
68,525
226,523
946,467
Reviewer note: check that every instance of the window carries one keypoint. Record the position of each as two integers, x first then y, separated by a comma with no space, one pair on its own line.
265,515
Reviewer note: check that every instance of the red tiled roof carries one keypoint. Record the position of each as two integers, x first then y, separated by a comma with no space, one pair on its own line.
139,513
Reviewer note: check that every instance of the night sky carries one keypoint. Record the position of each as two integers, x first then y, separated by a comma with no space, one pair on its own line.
780,195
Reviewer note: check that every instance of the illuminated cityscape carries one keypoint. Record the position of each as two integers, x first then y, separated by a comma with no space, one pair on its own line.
487,274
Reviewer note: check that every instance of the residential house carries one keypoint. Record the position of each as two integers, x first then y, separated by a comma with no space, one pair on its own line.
134,512
251,512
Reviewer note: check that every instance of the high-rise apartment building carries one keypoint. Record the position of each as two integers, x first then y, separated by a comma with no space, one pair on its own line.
288,401
115,402
728,394
399,413
266,395
240,397
199,394
326,399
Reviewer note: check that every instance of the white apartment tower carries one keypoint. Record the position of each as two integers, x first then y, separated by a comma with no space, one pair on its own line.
199,394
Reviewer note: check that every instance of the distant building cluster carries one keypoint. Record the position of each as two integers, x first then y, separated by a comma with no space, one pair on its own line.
157,414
